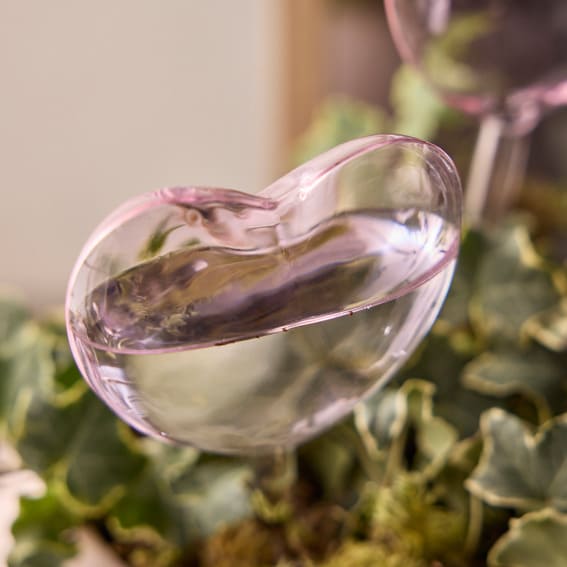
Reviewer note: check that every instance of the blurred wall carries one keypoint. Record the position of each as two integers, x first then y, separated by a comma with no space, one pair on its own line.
100,101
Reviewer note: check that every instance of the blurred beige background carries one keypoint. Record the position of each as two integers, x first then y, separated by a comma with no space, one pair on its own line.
103,100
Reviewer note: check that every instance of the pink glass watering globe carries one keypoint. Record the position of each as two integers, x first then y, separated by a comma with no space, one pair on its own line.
504,57
241,323
502,60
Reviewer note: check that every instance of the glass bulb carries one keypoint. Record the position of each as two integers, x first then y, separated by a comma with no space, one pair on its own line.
241,323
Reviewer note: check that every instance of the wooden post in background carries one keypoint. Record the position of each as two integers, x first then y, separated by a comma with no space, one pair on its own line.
304,23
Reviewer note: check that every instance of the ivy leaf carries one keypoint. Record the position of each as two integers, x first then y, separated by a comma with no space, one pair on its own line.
519,468
549,328
512,286
157,239
13,318
149,519
149,511
68,384
383,417
41,533
98,462
434,437
145,505
535,373
331,460
390,415
438,362
536,539
455,312
24,373
338,120
418,109
170,462
215,493
83,445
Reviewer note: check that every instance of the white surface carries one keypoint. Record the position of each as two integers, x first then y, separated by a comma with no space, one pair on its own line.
104,100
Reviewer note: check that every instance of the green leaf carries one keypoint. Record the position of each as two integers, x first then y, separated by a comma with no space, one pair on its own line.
532,372
438,362
390,416
171,462
157,239
215,493
383,416
519,468
147,504
418,109
149,511
13,319
549,328
83,445
512,286
41,533
331,460
455,312
338,120
98,463
434,437
149,519
68,384
535,539
23,374
445,56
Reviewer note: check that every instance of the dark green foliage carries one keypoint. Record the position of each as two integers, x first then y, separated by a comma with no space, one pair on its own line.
472,424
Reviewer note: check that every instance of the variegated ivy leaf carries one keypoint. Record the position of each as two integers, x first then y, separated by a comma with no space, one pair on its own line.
148,517
520,468
68,384
386,416
549,328
82,447
149,513
13,318
214,493
534,540
455,312
23,374
512,285
37,366
434,436
331,460
438,362
41,533
171,462
417,107
381,419
534,372
338,120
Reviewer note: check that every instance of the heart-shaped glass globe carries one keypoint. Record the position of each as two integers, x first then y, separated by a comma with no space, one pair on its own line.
242,323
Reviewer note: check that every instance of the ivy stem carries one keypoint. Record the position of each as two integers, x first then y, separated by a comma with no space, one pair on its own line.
474,529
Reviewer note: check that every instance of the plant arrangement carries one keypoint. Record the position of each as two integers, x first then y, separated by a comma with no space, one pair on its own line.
461,460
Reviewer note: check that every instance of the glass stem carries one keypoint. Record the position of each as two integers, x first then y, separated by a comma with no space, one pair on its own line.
497,171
